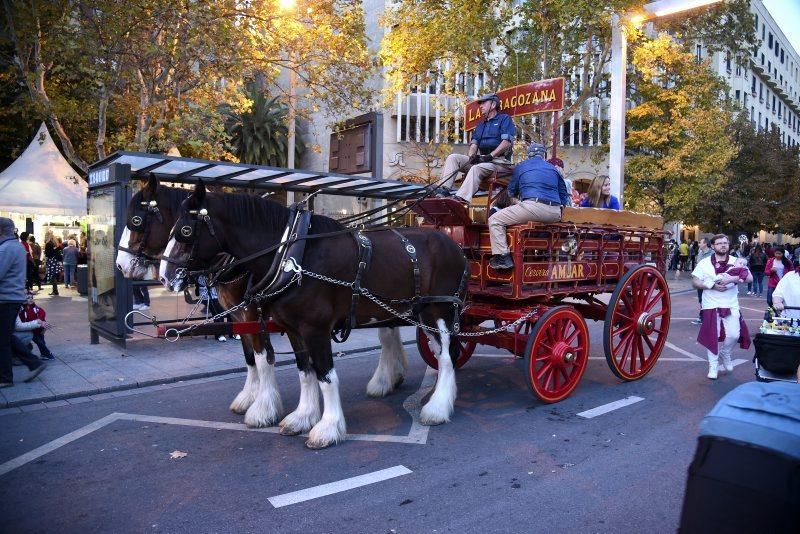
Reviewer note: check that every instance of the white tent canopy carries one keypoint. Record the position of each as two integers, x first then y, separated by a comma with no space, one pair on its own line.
41,182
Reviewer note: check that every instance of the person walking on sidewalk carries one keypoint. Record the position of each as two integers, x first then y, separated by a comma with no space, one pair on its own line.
703,252
757,261
53,264
71,253
777,266
13,273
722,320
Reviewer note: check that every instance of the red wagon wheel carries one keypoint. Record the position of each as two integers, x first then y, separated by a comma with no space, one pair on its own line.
465,350
637,322
556,354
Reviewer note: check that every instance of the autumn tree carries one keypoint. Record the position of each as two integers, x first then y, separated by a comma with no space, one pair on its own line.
679,133
154,72
517,42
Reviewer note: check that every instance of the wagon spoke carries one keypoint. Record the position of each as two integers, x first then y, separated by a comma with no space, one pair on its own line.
572,337
650,343
622,329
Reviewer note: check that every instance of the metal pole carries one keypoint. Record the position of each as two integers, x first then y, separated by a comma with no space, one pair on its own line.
619,62
555,135
291,132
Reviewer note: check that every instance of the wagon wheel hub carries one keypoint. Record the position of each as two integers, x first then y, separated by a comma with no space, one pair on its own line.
563,354
645,325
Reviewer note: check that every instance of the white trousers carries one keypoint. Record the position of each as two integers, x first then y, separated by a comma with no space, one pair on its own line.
731,324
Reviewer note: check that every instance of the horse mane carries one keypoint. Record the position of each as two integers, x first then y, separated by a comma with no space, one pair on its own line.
249,210
174,196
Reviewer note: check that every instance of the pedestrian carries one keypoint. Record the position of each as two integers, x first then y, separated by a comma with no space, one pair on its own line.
541,193
693,248
776,267
683,251
757,260
33,318
36,253
490,149
53,266
71,254
722,320
141,298
12,295
703,252
208,295
787,293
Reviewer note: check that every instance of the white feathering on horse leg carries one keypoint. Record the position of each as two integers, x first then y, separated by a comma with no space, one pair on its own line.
331,429
392,364
440,406
307,413
267,408
247,396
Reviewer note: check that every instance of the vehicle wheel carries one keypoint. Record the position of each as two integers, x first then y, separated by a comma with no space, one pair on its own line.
466,348
557,353
637,322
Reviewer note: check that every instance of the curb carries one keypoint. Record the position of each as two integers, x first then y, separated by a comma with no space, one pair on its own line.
105,392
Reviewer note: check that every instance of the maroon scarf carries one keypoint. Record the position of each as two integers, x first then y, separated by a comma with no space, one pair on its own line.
708,335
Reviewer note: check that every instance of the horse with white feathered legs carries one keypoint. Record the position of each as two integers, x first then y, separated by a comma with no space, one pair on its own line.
150,216
336,280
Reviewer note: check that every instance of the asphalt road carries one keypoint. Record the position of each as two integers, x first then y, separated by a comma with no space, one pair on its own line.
505,463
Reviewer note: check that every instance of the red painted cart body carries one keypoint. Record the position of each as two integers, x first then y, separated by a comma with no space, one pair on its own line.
595,264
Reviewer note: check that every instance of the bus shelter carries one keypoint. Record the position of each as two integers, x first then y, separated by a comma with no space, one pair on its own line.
114,180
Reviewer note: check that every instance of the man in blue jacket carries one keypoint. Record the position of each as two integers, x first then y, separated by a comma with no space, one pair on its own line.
541,192
12,294
489,150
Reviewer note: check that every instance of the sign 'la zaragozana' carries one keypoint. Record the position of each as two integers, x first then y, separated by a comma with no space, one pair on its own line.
526,99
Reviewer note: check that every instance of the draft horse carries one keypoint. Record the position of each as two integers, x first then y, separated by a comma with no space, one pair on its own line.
418,271
150,216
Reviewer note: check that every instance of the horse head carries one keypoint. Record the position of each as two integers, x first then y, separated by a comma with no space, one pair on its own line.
196,239
149,217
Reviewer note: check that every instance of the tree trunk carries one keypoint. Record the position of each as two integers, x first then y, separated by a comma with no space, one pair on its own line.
101,122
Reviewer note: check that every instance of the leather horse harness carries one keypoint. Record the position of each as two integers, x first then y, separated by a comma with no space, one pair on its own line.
289,257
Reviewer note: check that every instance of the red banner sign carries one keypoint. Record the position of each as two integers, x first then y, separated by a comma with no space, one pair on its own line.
534,97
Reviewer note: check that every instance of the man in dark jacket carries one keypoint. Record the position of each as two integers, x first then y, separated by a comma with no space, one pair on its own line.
12,295
541,191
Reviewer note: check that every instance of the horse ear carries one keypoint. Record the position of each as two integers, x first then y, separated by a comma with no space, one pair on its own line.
152,183
199,192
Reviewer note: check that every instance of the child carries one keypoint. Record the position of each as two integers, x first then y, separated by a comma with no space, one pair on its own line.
738,269
31,313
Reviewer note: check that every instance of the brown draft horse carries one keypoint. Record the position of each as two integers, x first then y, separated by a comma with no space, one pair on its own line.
310,310
150,216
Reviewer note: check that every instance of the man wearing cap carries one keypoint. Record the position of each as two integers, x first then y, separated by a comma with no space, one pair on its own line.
12,295
490,150
541,191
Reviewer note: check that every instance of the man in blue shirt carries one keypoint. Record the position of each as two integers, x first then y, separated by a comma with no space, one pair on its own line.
489,150
541,191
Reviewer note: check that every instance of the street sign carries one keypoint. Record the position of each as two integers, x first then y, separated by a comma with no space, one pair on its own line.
526,99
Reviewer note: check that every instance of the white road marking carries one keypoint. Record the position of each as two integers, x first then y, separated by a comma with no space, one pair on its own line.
38,452
753,309
738,361
316,492
417,434
684,352
610,407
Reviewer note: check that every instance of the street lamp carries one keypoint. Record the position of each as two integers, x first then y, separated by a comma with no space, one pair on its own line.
619,66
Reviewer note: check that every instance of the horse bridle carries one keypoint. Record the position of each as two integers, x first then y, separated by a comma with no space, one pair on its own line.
140,222
187,233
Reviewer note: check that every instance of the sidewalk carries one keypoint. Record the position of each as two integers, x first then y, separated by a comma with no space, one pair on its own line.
83,372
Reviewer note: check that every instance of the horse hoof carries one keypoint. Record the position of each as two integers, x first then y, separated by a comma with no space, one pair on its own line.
285,431
316,445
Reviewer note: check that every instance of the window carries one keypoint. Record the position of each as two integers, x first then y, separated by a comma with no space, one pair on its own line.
763,29
738,95
770,41
753,86
752,113
762,60
782,58
699,53
728,61
761,91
